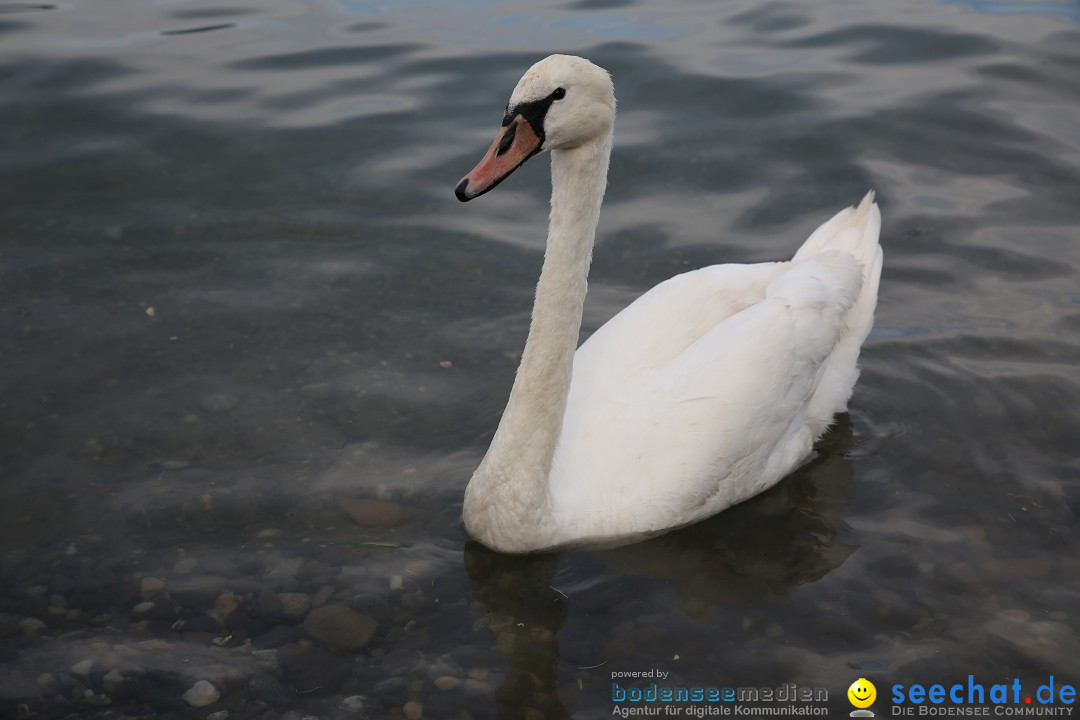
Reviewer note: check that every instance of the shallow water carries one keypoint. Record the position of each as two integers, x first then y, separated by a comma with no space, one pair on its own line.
237,290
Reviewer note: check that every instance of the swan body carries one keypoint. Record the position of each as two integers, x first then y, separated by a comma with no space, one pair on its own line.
705,391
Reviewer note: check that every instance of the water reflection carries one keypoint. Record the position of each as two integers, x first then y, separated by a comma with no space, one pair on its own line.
523,613
1063,8
789,536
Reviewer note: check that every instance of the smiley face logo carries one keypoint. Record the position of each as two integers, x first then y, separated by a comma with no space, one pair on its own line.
862,693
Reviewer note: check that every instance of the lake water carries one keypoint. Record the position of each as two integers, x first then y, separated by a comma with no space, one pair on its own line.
239,299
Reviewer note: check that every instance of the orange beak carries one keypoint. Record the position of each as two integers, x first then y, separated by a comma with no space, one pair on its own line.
515,143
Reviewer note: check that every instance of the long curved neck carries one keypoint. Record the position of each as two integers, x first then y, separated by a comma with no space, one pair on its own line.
510,486
538,399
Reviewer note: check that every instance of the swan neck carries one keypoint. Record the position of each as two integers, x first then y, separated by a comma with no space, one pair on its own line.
523,449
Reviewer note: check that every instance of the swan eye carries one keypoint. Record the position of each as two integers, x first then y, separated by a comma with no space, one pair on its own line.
559,94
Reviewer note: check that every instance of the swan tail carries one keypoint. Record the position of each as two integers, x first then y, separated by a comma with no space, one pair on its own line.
828,284
854,232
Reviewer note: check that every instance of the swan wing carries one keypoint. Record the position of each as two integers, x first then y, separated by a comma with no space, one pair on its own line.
673,436
667,319
623,356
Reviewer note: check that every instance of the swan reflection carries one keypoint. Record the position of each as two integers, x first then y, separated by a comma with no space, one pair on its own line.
789,536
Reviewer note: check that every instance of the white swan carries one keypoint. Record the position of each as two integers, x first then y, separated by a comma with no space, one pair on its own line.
705,391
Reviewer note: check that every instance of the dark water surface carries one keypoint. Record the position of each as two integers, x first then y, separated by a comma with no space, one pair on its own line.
237,290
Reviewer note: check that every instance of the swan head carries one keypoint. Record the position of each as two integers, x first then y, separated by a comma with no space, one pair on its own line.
560,103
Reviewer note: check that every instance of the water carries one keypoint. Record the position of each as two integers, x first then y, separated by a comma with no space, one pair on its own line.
238,290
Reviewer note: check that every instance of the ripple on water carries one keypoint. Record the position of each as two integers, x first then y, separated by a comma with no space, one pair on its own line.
192,492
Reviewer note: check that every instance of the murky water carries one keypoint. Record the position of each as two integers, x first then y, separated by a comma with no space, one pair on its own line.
240,302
